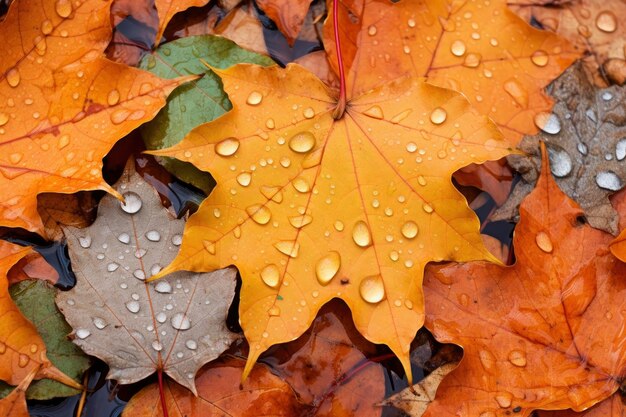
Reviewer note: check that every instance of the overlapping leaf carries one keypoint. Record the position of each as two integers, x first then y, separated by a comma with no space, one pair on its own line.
481,49
288,15
14,404
175,326
546,333
62,105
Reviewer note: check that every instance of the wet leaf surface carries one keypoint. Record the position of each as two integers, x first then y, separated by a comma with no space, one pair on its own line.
175,325
545,333
586,138
14,404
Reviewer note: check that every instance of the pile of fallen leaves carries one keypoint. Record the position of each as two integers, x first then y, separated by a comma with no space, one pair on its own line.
351,233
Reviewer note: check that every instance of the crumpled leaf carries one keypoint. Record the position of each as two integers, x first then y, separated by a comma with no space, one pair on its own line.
611,407
586,138
545,333
288,15
220,392
166,9
499,62
63,105
14,404
596,26
58,210
242,26
35,299
175,325
415,400
194,103
21,347
323,208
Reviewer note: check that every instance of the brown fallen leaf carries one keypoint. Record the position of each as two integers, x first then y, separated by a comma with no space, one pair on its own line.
58,210
173,326
21,348
586,138
63,105
288,15
414,400
14,404
166,9
32,266
611,407
493,177
545,333
242,26
596,26
221,393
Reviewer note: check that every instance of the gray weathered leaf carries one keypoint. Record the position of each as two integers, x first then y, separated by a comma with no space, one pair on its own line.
176,324
586,140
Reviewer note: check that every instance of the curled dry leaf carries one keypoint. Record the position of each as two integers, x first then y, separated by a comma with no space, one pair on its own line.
221,392
62,105
595,26
481,49
14,404
288,15
586,138
323,208
415,399
176,325
58,210
545,333
21,347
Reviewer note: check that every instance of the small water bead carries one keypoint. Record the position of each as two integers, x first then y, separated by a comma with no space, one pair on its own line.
608,180
308,113
504,399
153,236
582,148
288,247
163,287
111,267
411,147
84,242
301,185
13,77
46,27
548,122
591,115
302,142
327,267
227,147
254,98
3,348
274,311
428,208
82,333
620,149
472,60
374,112
63,8
607,96
458,48
606,22
209,246
438,116
271,275
132,202
517,358
139,274
260,214
517,92
372,289
100,323
180,321
4,119
409,229
139,253
300,221
191,344
177,240
244,179
543,242
15,157
23,360
135,296
540,58
161,317
133,306
361,234
124,238
156,345
560,162
371,30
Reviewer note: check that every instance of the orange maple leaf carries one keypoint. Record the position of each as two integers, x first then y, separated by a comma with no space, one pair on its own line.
481,49
288,15
545,333
21,348
62,105
14,404
611,407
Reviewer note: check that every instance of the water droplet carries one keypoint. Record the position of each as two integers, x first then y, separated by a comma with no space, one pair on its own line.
33,348
301,185
472,60
409,229
161,317
84,242
227,147
608,180
487,360
375,112
113,97
560,162
163,287
361,234
548,122
271,275
309,113
99,323
15,157
543,242
607,96
82,333
620,149
371,30
177,240
372,289
111,267
300,221
302,142
274,311
517,92
133,306
191,344
132,202
139,253
457,48
517,358
180,321
327,267
153,235
504,399
139,274
539,58
428,208
209,246
4,118
255,98
13,77
124,238
438,116
46,27
591,115
288,247
260,214
23,360
582,148
606,22
244,179
63,8
3,347
156,345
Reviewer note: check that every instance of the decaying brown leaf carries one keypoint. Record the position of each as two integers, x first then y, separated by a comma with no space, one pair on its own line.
586,139
175,325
